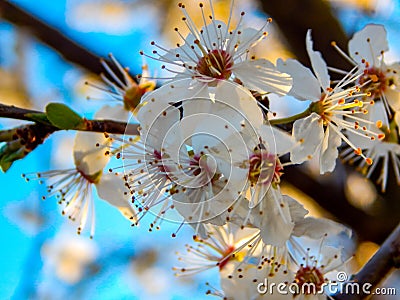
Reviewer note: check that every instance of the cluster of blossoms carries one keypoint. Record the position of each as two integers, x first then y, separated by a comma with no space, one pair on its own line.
208,154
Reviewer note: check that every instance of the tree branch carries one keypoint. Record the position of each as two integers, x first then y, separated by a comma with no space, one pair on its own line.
109,126
22,140
330,194
295,17
13,112
51,37
387,257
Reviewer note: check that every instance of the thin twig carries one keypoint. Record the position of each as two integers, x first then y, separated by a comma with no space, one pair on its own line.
109,126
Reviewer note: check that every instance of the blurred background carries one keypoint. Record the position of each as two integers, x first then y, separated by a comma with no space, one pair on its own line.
49,48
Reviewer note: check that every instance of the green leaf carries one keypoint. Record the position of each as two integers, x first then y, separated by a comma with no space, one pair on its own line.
63,117
9,153
5,165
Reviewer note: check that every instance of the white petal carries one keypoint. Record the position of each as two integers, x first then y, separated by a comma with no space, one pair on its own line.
213,33
240,104
116,113
88,158
305,85
210,209
297,210
309,134
377,112
329,151
318,63
392,92
397,120
155,103
331,257
276,224
261,75
393,98
112,189
185,51
154,134
241,288
278,141
368,44
248,38
316,228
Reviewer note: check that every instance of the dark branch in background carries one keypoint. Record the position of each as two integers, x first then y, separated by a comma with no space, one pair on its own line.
295,17
330,194
387,257
51,37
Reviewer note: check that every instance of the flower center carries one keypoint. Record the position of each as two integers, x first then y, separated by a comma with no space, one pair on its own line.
327,106
157,160
134,93
215,64
94,178
226,257
262,167
310,276
205,165
377,82
277,172
390,133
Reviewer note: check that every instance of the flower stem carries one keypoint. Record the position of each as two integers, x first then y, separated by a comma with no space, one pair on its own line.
291,119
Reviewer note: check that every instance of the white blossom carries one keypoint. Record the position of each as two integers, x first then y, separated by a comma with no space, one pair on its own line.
332,112
73,187
381,80
382,152
216,53
123,89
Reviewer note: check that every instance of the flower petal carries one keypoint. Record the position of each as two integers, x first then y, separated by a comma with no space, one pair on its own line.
318,63
116,113
278,141
248,38
88,158
261,75
397,120
305,85
112,189
156,102
275,222
329,151
309,134
239,102
393,98
297,210
316,228
368,44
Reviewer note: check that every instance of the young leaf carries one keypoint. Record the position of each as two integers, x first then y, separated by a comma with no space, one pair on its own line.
9,153
63,117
